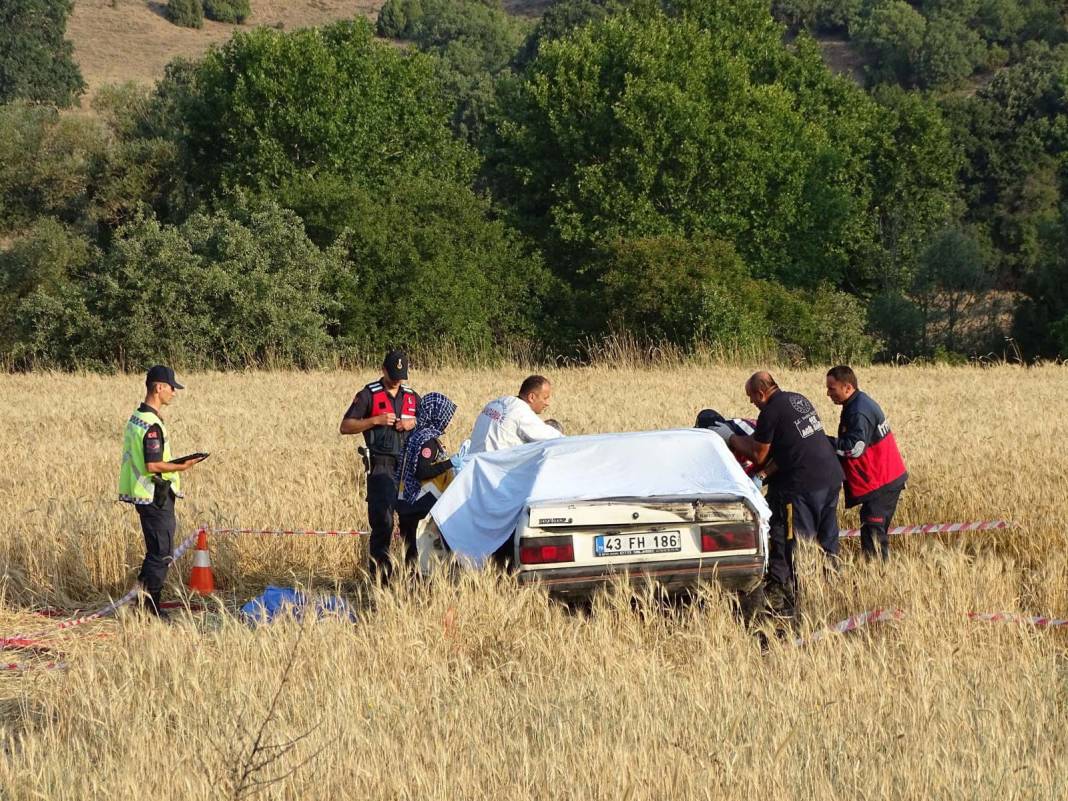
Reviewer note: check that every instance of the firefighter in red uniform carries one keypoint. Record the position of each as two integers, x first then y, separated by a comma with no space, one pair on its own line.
874,470
384,412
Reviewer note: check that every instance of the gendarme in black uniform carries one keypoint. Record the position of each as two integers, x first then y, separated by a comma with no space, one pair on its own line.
803,490
385,445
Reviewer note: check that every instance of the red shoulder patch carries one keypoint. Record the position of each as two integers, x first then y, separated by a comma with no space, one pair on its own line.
426,453
152,434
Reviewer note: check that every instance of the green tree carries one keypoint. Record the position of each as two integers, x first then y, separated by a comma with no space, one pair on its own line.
687,293
892,35
36,61
561,18
473,42
425,263
914,173
952,51
1041,322
1014,136
952,274
186,13
650,125
270,105
231,11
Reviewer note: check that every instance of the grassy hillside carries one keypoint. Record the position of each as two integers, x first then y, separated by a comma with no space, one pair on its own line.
132,40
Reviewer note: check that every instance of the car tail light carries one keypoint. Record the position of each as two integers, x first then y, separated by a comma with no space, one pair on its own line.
728,538
546,550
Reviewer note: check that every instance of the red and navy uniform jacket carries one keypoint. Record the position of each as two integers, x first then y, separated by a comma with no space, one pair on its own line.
384,440
744,428
867,450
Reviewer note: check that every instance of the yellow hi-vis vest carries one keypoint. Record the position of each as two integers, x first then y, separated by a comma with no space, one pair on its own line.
135,482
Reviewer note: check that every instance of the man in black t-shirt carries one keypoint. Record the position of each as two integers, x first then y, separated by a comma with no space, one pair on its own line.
384,412
803,486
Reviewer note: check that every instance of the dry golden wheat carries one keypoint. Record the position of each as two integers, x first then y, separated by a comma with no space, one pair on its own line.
485,690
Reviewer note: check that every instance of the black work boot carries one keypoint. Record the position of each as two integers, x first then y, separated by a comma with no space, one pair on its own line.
155,605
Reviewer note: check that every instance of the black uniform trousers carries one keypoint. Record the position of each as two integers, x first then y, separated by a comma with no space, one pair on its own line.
158,525
810,514
382,501
876,515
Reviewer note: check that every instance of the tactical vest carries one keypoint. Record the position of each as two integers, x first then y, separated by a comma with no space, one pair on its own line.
135,482
386,440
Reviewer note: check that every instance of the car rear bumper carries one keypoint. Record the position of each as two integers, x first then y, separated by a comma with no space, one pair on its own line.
735,572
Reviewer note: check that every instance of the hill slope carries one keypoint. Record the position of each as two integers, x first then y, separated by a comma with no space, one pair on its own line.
132,40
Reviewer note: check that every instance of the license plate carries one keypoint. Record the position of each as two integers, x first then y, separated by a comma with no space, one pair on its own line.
631,544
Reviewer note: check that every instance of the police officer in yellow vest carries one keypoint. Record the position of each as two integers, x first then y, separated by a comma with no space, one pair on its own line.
150,481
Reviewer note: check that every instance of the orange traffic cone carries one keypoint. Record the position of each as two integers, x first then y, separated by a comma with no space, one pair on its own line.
201,579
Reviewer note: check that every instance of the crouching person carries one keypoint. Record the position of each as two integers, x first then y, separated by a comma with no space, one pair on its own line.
426,468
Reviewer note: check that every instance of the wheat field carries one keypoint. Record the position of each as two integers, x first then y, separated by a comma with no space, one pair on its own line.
483,690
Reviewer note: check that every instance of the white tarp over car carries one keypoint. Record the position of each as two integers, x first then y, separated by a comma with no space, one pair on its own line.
482,506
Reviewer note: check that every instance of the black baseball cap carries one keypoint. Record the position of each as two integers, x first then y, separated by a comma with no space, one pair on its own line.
396,365
706,418
163,375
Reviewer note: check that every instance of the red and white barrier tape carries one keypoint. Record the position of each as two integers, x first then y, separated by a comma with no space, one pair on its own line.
110,608
1010,617
21,667
18,643
937,528
852,623
881,615
287,532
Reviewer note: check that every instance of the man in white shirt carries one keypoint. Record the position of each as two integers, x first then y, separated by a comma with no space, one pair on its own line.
510,421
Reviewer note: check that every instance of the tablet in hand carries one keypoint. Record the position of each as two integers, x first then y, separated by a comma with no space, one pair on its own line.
189,457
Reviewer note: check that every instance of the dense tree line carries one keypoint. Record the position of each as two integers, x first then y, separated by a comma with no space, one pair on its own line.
686,171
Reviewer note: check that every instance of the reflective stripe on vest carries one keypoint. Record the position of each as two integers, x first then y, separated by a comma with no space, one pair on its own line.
385,440
383,403
135,482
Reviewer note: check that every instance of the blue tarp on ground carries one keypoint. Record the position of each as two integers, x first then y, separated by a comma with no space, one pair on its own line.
276,601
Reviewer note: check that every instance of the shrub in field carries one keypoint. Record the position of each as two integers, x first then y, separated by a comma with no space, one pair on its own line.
898,322
36,61
44,318
232,11
228,288
92,172
238,288
186,13
425,264
46,163
671,289
827,325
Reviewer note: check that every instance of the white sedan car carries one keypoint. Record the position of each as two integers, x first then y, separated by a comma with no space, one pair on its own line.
571,514
575,547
